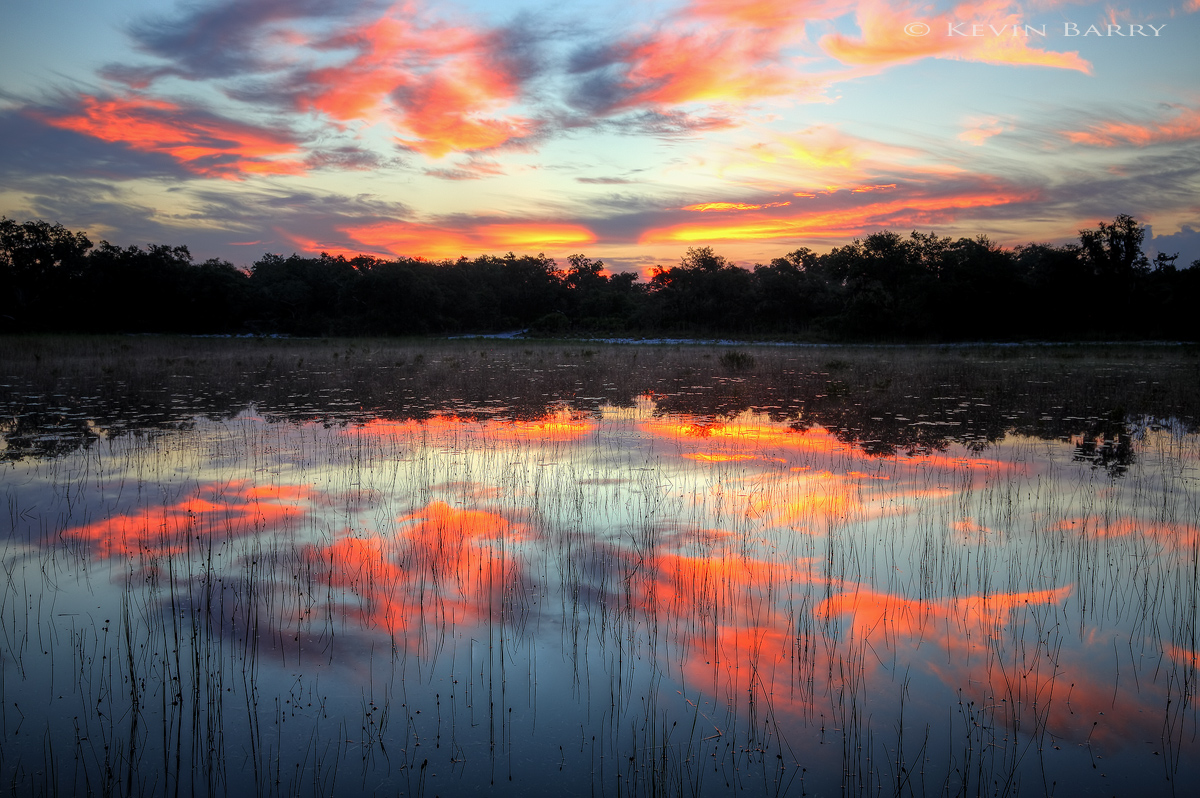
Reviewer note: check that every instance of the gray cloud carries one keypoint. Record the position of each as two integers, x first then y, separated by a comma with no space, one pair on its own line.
349,158
222,40
604,181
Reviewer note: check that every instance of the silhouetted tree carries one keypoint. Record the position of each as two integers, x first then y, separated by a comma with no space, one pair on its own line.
704,292
792,293
921,286
1115,250
38,262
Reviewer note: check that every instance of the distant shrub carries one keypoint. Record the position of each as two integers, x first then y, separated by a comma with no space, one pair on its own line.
737,361
556,322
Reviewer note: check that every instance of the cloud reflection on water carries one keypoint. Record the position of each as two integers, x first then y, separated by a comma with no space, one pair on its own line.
775,580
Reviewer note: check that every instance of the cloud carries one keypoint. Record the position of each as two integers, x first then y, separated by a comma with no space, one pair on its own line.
887,37
33,147
281,218
981,129
449,240
604,181
102,209
234,509
666,68
822,150
226,39
766,14
845,215
471,169
349,157
1185,244
452,554
1147,185
1183,125
704,207
133,76
724,54
673,123
213,219
824,158
200,141
443,88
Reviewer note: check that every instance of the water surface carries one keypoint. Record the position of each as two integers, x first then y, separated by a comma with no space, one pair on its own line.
731,583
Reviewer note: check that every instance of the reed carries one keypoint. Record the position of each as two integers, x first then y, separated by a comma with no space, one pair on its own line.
464,573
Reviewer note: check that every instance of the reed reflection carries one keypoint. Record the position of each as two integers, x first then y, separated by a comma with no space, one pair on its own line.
614,576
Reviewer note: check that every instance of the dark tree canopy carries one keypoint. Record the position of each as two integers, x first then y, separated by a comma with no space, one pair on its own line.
884,286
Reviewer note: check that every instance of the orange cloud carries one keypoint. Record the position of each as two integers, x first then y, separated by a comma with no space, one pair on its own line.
430,241
1185,126
441,86
843,222
726,614
969,527
888,38
823,148
824,160
718,458
562,426
767,14
231,510
533,235
981,130
328,247
1024,683
200,142
556,427
735,639
1184,656
805,503
733,206
440,568
753,435
712,51
972,463
1179,539
871,612
705,66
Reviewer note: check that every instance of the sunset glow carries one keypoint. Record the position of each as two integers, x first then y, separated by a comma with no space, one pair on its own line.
442,130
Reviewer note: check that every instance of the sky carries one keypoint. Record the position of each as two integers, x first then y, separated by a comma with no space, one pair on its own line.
622,131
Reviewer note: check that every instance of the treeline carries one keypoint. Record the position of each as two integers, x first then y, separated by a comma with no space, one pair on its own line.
884,286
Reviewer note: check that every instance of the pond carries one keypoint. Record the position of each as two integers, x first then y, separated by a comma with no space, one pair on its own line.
520,569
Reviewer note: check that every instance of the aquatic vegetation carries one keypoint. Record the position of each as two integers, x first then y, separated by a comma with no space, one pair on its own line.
520,582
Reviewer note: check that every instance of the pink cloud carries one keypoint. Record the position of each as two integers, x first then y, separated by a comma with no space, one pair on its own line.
1184,125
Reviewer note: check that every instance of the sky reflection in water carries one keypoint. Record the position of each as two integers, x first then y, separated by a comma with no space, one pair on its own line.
654,602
